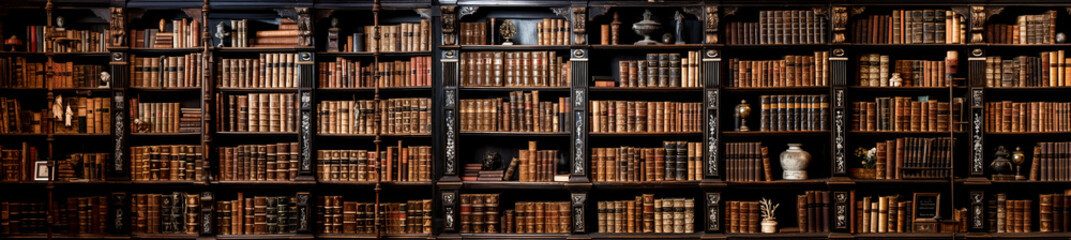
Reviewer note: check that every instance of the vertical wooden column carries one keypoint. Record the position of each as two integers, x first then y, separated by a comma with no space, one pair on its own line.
306,131
838,72
578,207
119,222
976,79
449,60
304,212
977,212
208,207
711,89
451,210
578,60
120,70
712,213
841,211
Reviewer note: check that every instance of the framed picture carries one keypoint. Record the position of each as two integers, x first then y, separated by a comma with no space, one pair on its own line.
927,207
41,171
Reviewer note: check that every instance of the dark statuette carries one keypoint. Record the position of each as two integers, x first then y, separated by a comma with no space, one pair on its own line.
492,161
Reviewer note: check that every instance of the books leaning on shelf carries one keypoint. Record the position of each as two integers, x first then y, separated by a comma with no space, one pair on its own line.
14,119
81,167
742,216
537,217
343,73
264,162
1054,213
1012,216
62,40
645,214
1052,162
257,215
168,163
910,27
530,165
80,215
794,113
1051,69
480,213
779,27
813,211
874,71
168,71
403,37
16,72
1028,29
883,214
395,164
747,162
514,69
914,158
1022,117
17,164
903,114
645,117
658,70
523,112
675,161
24,217
70,75
180,33
256,112
792,71
270,70
168,117
177,213
82,115
549,31
335,216
475,33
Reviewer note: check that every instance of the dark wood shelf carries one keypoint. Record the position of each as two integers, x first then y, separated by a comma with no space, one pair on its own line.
512,89
647,185
896,182
902,89
775,133
82,90
780,235
89,236
514,47
81,54
914,133
649,48
181,134
512,185
645,89
694,235
514,134
514,235
779,184
258,90
373,236
907,235
86,135
370,54
645,134
163,236
258,134
252,183
394,184
262,49
267,236
169,89
372,89
167,50
1026,133
765,90
1027,89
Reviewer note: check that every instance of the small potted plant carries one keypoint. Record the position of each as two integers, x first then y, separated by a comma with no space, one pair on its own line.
769,222
868,158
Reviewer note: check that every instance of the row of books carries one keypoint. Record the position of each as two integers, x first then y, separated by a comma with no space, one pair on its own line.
263,162
910,27
16,72
1054,212
70,75
176,212
167,117
347,117
675,161
396,163
238,33
405,116
337,216
1048,70
1028,29
258,215
80,215
813,210
480,213
345,73
170,71
168,163
81,167
83,115
883,214
476,172
13,119
747,162
256,112
742,217
1012,216
523,112
914,158
16,162
906,114
645,214
514,69
1052,162
794,113
533,165
645,117
180,33
658,70
874,71
779,27
549,31
1008,116
61,40
792,71
537,217
404,37
23,217
285,36
270,70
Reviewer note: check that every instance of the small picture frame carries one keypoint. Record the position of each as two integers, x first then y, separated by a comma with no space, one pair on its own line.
41,171
927,207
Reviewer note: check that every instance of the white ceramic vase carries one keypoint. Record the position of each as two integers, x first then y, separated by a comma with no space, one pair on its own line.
769,226
794,161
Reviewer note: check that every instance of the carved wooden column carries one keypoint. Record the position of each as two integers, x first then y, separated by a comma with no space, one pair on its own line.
208,207
579,25
120,70
578,203
976,65
451,210
450,119
579,95
710,26
306,130
841,211
976,212
711,136
840,23
448,15
117,215
304,212
838,72
712,213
